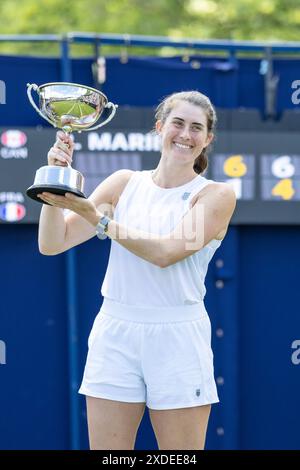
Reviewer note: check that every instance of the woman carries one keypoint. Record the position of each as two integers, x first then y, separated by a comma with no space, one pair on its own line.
150,342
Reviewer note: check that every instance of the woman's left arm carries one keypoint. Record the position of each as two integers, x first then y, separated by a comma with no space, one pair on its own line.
202,223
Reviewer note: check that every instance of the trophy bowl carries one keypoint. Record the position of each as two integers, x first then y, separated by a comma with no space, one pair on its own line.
70,107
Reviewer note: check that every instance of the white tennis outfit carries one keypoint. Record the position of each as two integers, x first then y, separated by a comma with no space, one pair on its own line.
151,340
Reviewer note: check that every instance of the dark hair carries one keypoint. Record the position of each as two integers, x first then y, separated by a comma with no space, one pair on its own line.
198,99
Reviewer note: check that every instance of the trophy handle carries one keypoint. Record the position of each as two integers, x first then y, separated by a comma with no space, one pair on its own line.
113,112
33,86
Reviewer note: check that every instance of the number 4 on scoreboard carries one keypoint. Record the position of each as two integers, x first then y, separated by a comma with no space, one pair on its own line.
284,189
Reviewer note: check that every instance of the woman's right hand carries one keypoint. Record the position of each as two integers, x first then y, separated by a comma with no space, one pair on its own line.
61,154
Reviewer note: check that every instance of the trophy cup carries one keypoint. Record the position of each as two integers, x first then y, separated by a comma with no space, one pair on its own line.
70,107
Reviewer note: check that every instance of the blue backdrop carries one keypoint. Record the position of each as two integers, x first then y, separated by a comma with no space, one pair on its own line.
144,81
252,294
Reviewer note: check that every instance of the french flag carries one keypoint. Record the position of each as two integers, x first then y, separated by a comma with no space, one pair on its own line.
12,211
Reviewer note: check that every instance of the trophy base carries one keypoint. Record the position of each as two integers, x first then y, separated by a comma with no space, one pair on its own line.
60,190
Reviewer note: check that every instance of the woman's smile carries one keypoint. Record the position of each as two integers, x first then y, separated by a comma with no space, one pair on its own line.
182,146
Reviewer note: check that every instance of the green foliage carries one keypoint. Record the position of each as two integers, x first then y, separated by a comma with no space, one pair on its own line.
274,20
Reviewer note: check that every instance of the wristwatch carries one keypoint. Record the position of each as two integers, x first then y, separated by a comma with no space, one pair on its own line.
102,226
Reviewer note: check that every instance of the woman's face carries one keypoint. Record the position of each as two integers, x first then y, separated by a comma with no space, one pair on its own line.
184,132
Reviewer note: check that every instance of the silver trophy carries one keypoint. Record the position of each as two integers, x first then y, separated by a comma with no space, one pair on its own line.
70,107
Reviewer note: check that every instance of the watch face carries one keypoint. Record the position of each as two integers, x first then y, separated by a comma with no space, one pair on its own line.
104,222
101,227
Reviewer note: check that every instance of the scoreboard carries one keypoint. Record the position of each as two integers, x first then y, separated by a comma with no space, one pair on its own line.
261,164
279,175
264,170
238,171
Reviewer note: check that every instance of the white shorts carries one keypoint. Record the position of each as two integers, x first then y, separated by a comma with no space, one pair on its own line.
160,356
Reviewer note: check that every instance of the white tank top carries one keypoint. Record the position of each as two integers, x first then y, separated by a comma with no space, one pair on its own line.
132,280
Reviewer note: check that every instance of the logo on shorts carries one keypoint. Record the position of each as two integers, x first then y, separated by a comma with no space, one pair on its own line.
198,392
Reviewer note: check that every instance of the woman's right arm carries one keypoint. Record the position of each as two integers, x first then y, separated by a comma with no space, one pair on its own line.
52,225
59,232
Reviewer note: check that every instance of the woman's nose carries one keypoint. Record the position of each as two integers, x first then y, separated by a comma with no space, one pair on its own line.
185,132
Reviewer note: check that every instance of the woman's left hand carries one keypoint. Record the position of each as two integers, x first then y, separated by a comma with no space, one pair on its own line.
84,207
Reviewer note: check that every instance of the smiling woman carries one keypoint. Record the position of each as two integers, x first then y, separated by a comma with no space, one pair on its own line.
194,117
150,342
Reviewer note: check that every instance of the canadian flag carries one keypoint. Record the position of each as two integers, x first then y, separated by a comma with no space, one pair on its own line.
13,138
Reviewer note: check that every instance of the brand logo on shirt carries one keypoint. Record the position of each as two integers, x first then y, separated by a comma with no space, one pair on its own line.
198,392
185,196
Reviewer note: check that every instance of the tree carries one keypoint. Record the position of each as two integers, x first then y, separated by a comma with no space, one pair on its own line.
200,19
